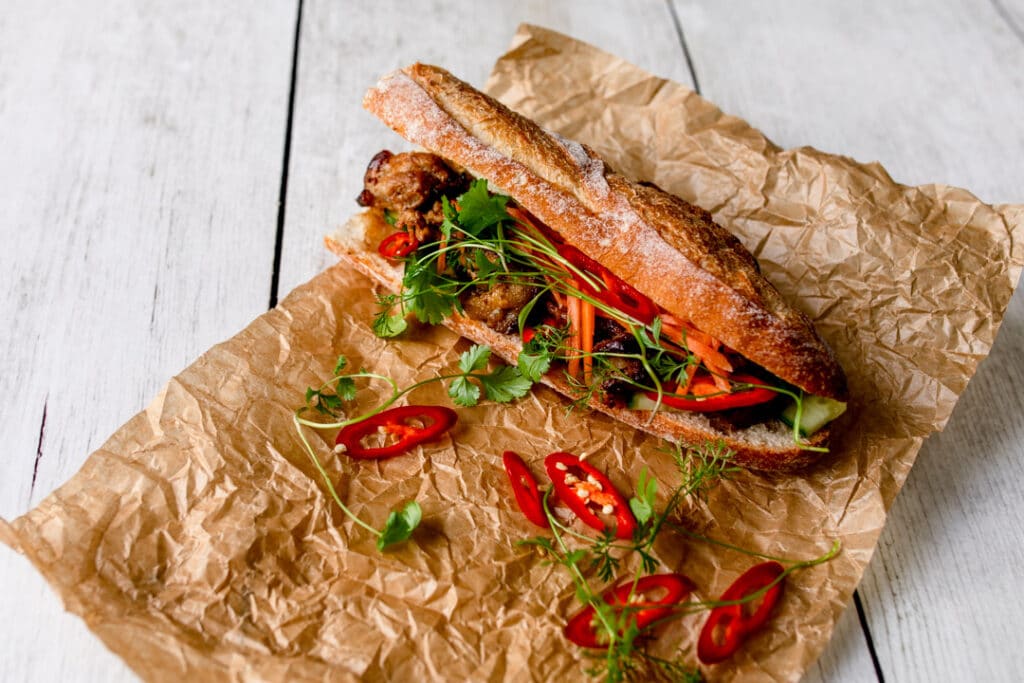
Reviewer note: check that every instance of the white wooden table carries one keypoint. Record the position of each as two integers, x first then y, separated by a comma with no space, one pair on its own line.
167,170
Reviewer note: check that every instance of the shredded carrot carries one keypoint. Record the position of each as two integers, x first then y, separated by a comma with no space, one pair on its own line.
690,372
573,308
587,332
703,388
696,342
672,322
442,262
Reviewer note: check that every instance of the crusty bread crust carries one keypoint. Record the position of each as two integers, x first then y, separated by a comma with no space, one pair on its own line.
764,447
666,248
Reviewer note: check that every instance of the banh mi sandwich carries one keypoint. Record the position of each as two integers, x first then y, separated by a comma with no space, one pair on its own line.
619,295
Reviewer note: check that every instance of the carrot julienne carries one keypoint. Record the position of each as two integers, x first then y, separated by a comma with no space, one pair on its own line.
587,332
573,306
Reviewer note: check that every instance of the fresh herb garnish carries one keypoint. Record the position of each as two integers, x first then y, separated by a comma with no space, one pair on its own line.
625,656
480,210
501,385
483,244
385,323
400,525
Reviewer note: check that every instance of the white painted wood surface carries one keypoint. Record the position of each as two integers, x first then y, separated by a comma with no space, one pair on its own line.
141,163
141,159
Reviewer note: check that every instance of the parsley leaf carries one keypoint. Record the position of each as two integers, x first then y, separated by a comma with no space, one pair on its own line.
400,525
464,393
475,358
505,384
479,210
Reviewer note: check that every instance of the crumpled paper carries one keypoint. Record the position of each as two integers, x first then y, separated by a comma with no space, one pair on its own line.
199,544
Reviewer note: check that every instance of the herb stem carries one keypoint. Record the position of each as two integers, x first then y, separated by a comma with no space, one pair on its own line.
327,479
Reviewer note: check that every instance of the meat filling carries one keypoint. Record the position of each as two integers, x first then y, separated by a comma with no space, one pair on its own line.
409,186
499,306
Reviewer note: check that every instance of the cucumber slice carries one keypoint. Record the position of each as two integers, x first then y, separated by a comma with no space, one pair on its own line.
642,402
818,411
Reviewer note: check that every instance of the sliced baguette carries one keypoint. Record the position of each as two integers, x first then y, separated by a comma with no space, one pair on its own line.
766,447
666,248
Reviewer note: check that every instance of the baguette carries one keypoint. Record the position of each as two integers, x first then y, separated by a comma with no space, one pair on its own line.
636,231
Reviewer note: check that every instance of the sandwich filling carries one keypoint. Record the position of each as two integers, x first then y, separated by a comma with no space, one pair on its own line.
468,251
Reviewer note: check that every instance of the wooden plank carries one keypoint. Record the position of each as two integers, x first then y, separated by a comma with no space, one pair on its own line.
346,47
138,188
933,91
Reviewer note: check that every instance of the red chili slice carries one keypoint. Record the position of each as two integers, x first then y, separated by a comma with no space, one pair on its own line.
583,629
729,626
570,475
524,486
722,401
411,424
615,293
397,244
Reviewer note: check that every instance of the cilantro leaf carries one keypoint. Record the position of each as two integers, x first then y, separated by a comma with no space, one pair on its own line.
505,383
475,358
464,393
400,525
479,210
326,404
387,326
450,218
429,296
340,365
534,360
390,217
486,269
346,389
646,497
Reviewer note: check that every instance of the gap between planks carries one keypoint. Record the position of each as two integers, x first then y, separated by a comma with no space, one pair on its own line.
682,42
39,450
275,275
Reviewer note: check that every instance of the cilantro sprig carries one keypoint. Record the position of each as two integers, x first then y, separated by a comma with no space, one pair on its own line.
501,385
625,656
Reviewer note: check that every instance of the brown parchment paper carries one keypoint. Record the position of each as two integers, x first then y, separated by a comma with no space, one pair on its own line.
198,542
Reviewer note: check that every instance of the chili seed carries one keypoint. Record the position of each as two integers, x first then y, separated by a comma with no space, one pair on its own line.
582,493
607,509
340,448
561,466
594,482
571,479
